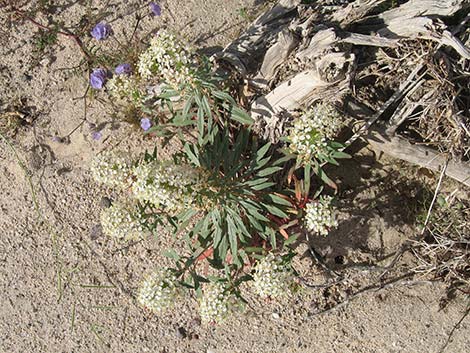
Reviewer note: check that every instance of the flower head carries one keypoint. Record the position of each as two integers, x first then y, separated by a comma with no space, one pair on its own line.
98,78
122,222
123,69
320,215
166,184
158,291
101,31
145,124
112,169
271,277
124,87
96,135
310,132
214,304
155,8
167,58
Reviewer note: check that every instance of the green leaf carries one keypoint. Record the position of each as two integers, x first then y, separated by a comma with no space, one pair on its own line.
340,155
206,106
275,211
180,120
167,94
192,155
239,222
307,177
252,249
241,116
254,223
272,237
286,158
263,186
279,200
255,181
187,107
224,96
262,151
232,236
171,253
269,171
291,239
253,210
200,125
215,215
319,171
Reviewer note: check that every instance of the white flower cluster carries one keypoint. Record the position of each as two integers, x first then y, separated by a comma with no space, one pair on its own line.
167,56
320,216
122,86
214,305
112,169
166,184
121,222
158,291
271,277
311,131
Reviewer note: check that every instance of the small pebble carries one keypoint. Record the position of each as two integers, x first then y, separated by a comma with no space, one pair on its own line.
105,202
181,333
96,231
276,316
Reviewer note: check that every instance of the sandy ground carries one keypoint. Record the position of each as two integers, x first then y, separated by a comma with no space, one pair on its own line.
67,288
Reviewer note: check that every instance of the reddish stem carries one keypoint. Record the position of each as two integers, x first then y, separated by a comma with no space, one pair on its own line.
40,25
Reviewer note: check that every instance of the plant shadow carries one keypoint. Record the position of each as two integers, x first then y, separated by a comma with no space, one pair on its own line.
379,206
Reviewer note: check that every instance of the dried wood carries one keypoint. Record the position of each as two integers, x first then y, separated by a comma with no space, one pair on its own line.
355,11
374,41
419,19
399,147
404,88
275,56
245,54
406,108
327,81
424,8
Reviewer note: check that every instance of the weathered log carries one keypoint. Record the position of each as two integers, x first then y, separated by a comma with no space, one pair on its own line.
399,147
275,57
355,11
426,8
246,53
419,19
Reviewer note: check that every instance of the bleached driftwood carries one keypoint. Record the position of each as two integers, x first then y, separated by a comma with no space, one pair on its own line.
427,8
354,11
399,147
246,53
275,56
419,19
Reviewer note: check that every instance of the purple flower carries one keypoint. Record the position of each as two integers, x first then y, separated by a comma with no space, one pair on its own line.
98,78
101,31
96,135
123,69
156,9
145,124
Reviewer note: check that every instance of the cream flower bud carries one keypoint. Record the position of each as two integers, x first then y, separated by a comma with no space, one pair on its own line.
214,305
320,217
112,169
271,277
121,222
158,291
